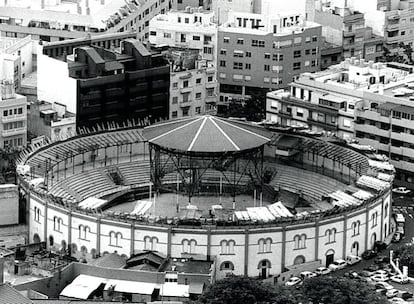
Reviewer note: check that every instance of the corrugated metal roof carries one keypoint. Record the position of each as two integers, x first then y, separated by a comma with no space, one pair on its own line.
9,295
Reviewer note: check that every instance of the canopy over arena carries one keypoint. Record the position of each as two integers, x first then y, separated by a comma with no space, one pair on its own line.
191,154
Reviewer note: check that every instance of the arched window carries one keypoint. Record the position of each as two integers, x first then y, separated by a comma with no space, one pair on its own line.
227,266
193,244
80,231
265,245
147,243
299,260
300,241
112,238
374,219
331,235
36,214
36,238
154,243
185,243
57,223
227,247
86,231
355,228
118,238
385,210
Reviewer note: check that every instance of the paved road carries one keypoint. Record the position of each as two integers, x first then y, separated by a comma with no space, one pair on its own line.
404,205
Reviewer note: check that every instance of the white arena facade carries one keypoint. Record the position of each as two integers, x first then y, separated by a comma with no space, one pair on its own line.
342,199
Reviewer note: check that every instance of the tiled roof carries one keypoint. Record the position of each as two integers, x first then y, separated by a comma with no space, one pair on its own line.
9,295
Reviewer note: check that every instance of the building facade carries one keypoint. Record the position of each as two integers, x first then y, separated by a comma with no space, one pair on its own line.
262,53
106,86
378,103
54,20
13,109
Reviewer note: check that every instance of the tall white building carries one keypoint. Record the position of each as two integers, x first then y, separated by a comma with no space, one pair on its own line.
191,36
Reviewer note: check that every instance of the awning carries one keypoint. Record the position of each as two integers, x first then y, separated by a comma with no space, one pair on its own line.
174,290
82,287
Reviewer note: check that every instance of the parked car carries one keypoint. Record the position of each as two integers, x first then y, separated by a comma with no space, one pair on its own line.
397,300
353,259
379,278
293,281
307,275
383,285
381,272
401,190
379,246
400,279
391,293
322,270
351,274
369,254
338,264
372,268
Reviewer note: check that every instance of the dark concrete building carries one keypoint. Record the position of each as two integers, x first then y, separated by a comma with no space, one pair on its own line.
110,85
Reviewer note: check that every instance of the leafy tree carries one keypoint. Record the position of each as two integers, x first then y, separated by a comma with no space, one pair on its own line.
238,290
405,254
335,290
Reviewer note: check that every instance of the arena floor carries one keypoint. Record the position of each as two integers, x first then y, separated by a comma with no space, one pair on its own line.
166,204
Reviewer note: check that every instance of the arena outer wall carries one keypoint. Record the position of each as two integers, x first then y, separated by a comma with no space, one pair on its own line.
299,241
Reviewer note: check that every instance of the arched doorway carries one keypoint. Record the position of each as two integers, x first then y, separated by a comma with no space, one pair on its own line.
51,241
63,246
264,268
36,238
329,257
355,248
373,239
300,259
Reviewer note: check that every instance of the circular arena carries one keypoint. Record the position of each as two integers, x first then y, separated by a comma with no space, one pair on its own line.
257,202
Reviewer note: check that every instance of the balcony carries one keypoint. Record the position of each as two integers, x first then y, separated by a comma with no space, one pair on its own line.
211,99
185,104
285,114
11,118
211,85
12,132
186,90
323,124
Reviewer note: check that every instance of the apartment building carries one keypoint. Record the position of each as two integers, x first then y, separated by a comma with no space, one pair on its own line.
50,120
372,102
393,20
102,86
190,38
258,53
345,27
191,28
55,20
193,84
13,111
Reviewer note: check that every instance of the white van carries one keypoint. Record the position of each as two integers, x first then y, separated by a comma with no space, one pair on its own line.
352,259
307,275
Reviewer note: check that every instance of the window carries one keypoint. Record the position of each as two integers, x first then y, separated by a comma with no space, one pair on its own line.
83,232
248,66
198,110
5,113
36,214
227,266
314,38
240,41
210,78
153,33
198,95
300,241
175,85
115,238
198,80
258,43
237,53
57,223
226,40
267,56
185,84
150,243
330,235
248,54
265,245
238,65
314,51
386,211
175,99
355,228
174,114
374,219
297,54
313,63
186,20
167,35
223,52
227,247
208,50
196,38
188,246
296,66
267,67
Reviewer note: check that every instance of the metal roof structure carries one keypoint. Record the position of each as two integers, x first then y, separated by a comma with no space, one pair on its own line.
206,134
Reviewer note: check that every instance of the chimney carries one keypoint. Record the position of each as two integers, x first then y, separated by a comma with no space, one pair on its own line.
79,9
